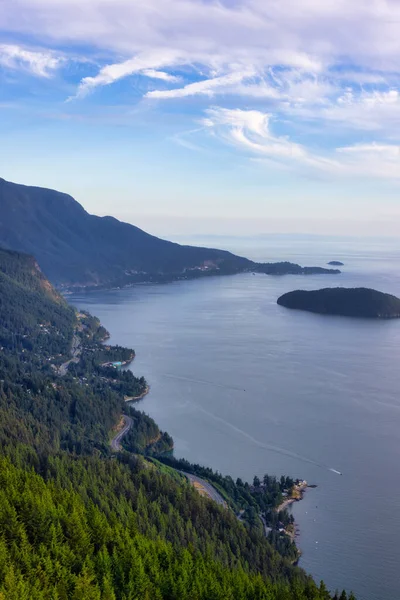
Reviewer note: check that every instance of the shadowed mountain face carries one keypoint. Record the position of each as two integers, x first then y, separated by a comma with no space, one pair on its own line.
75,248
348,302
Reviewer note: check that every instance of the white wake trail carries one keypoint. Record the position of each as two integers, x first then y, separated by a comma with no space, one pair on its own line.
271,447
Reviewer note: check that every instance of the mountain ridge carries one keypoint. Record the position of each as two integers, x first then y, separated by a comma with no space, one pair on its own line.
77,249
74,247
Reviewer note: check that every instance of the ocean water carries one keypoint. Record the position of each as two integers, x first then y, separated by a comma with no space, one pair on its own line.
248,387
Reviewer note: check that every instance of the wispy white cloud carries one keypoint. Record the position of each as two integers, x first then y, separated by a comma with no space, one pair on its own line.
144,63
250,131
372,160
206,87
388,150
153,74
352,111
41,63
367,110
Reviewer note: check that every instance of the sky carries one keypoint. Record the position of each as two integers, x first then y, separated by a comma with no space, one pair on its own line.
203,117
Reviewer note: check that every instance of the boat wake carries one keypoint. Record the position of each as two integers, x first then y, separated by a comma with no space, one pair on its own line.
335,471
203,382
270,447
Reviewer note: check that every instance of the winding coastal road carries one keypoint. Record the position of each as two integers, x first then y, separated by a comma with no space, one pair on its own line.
116,441
205,489
75,353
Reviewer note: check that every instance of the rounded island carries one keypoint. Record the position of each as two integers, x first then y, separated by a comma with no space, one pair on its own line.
347,302
336,263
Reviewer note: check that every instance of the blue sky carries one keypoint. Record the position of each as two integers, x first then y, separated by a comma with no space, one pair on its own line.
195,116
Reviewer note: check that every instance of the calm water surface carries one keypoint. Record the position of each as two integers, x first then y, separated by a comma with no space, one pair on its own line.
248,387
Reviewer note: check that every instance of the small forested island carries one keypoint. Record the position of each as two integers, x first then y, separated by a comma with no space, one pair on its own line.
335,263
347,302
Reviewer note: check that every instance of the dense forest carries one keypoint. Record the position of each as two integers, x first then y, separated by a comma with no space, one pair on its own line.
79,522
256,505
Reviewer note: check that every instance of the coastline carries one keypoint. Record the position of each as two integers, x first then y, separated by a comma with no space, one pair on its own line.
297,491
125,363
297,495
292,530
139,397
271,269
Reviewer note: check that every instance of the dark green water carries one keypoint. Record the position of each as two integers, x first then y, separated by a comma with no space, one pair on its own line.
248,387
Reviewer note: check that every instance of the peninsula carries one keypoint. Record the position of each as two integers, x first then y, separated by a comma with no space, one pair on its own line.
348,302
77,250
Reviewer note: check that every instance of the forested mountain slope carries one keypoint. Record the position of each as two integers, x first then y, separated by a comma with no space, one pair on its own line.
27,303
74,248
76,521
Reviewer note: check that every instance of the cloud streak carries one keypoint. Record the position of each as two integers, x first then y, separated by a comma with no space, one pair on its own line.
146,63
250,131
153,74
40,63
206,87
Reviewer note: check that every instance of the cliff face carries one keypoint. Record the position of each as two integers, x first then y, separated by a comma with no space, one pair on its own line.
350,302
29,305
22,273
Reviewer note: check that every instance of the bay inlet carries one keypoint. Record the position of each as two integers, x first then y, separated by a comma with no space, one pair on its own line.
247,387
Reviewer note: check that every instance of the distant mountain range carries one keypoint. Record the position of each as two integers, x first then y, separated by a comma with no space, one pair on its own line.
76,249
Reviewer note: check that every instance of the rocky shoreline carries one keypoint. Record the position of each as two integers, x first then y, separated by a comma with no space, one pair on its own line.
297,495
139,397
292,530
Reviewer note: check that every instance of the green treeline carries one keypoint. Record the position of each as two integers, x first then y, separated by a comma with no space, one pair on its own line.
33,317
262,495
90,528
256,505
145,437
76,521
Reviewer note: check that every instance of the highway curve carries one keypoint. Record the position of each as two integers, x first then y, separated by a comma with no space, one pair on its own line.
75,354
116,441
205,489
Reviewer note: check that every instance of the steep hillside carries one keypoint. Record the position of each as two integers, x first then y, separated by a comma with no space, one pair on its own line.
74,247
37,331
29,305
78,523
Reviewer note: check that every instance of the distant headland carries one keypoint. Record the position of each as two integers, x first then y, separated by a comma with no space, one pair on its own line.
347,302
79,251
